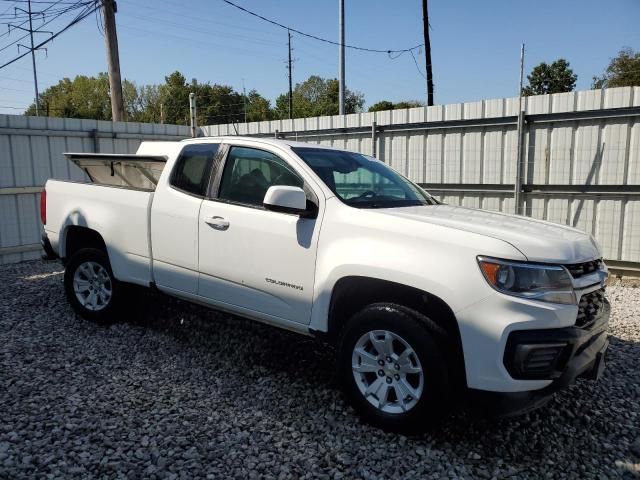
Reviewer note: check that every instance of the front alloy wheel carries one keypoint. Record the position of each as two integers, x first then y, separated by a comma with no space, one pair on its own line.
387,371
391,362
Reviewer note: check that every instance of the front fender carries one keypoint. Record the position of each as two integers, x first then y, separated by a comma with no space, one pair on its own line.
438,260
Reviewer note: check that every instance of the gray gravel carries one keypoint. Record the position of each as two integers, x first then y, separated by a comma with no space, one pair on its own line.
181,392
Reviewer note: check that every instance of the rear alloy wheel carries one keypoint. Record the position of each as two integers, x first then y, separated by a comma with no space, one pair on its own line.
91,288
392,368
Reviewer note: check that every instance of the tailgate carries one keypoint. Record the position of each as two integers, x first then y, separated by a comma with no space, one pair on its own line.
132,171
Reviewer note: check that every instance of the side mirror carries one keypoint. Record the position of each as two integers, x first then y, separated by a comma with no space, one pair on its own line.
281,198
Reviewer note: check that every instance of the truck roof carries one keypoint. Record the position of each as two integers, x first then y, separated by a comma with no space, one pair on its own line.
266,140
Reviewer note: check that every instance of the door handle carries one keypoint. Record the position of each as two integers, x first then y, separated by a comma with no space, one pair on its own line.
217,223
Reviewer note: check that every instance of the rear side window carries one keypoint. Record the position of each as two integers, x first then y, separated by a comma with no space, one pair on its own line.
193,169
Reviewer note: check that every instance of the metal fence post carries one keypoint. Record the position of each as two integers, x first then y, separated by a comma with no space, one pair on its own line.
192,110
373,139
517,193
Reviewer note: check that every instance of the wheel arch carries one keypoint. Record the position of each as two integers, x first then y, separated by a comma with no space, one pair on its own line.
352,293
77,237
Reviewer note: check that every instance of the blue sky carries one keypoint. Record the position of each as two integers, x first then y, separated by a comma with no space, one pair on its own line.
475,45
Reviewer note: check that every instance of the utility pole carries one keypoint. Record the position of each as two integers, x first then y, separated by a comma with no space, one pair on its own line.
290,79
427,53
162,113
109,8
521,74
33,61
341,87
31,48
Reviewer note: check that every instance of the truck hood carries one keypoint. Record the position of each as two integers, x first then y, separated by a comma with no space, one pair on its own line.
538,240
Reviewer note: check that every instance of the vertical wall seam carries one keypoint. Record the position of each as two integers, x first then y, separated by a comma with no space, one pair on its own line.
623,207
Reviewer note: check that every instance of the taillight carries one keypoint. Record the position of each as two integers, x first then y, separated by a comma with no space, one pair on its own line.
43,207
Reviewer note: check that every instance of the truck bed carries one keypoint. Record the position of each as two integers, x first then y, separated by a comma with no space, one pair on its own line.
120,214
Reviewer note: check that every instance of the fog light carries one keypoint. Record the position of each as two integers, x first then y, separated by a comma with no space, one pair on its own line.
537,360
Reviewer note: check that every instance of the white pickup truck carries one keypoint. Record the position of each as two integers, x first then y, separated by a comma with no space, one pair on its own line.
426,303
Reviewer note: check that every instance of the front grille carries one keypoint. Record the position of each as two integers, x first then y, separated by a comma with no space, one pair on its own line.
590,306
577,270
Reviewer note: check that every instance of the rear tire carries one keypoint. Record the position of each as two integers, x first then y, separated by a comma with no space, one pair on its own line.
91,289
392,368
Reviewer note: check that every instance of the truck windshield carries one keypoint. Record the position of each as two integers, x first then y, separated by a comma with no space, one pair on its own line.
361,181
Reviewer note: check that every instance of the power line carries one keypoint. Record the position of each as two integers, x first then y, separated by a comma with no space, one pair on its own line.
81,16
315,37
43,25
208,32
136,30
40,1
417,66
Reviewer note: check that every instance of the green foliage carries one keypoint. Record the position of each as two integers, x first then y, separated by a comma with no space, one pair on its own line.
380,106
82,97
315,97
554,78
258,107
387,105
623,71
88,97
145,106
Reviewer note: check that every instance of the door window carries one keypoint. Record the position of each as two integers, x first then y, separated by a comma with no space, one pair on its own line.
250,172
193,169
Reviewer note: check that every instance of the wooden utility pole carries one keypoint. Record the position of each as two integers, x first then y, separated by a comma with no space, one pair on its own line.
290,79
109,9
427,53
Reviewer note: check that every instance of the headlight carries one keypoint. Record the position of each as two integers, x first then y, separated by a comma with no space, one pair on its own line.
547,283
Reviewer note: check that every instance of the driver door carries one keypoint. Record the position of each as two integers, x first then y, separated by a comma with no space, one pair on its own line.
250,258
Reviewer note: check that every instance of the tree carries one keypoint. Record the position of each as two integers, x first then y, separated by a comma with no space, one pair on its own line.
174,95
387,105
83,97
554,78
146,105
380,106
258,107
623,71
315,97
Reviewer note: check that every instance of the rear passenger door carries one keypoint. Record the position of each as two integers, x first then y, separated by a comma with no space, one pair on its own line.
174,219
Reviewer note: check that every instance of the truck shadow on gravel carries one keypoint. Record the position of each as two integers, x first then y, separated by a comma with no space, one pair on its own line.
578,420
175,387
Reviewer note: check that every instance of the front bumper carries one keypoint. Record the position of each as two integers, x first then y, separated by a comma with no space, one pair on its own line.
583,356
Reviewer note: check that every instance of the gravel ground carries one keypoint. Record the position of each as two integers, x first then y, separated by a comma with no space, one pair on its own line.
182,392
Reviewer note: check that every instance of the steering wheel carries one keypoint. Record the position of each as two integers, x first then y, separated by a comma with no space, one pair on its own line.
367,194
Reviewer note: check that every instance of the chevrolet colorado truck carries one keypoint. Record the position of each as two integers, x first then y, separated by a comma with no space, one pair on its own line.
426,303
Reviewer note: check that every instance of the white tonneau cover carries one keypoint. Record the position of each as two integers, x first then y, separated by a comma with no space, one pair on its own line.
121,170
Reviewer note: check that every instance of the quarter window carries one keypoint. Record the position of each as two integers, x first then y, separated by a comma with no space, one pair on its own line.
193,169
250,172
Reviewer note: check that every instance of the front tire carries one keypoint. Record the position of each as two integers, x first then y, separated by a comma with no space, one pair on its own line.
91,289
392,367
